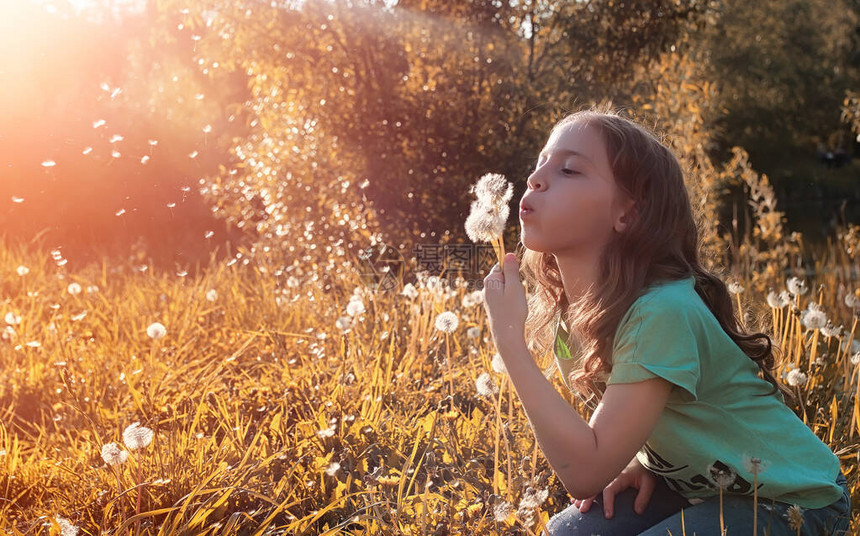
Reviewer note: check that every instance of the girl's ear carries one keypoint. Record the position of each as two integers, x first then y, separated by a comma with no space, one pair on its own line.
627,215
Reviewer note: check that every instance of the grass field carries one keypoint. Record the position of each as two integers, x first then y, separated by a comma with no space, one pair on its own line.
280,406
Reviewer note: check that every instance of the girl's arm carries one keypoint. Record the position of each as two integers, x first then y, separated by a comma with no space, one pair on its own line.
585,456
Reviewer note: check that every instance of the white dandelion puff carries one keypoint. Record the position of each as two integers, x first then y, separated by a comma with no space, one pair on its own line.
409,291
212,295
813,317
74,289
12,319
327,432
734,287
136,436
852,301
855,358
533,498
486,221
830,330
722,477
113,455
355,307
773,300
498,364
502,511
447,321
343,323
67,528
797,286
485,385
156,330
22,270
796,378
332,469
754,465
473,332
493,187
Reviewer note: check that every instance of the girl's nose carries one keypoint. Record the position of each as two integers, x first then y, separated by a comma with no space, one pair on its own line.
534,182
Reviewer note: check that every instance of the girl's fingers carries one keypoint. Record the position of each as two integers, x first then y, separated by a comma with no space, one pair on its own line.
586,505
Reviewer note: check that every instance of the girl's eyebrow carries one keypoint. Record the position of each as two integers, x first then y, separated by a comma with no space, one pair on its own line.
565,152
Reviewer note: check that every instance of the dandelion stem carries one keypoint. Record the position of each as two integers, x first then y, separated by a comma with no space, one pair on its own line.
755,502
722,522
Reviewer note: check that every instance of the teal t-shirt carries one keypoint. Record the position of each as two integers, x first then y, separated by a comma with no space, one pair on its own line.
711,419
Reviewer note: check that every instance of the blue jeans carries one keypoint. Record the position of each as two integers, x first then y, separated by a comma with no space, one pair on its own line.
663,515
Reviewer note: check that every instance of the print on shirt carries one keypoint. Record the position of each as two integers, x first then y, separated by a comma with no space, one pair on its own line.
661,466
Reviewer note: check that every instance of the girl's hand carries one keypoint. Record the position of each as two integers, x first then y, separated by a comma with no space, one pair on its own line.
633,476
505,302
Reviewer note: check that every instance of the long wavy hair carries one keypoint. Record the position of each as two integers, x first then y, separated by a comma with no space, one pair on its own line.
661,243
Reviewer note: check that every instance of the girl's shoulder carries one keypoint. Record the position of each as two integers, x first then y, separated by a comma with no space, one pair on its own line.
674,295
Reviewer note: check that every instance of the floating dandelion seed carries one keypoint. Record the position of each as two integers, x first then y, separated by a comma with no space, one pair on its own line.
485,385
193,154
49,163
156,330
794,514
115,154
98,123
115,138
735,288
74,289
152,143
87,150
813,317
136,436
209,234
144,159
447,322
22,270
722,477
212,295
207,129
409,291
797,286
796,378
113,455
16,199
120,212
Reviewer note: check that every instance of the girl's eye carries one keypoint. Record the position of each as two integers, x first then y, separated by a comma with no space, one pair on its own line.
567,171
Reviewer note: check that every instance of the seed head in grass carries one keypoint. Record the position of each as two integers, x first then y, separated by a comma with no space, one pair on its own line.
796,378
136,436
797,286
23,270
778,301
502,510
830,330
67,528
813,317
723,476
734,287
12,319
754,465
355,306
447,322
156,330
489,212
852,301
855,358
212,295
485,385
409,291
795,517
74,289
498,363
113,455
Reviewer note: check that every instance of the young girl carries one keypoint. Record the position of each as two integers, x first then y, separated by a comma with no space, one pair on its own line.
611,249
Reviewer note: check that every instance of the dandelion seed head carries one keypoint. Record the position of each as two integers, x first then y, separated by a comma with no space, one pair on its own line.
851,300
533,498
498,364
472,298
355,307
447,321
502,511
409,291
797,286
796,378
794,514
212,295
486,222
343,323
136,436
22,270
830,330
67,528
722,477
156,330
113,455
734,287
332,469
12,319
473,332
494,188
327,432
754,465
485,385
855,358
74,289
813,317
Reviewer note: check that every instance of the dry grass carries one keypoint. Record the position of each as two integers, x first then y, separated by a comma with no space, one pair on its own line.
269,419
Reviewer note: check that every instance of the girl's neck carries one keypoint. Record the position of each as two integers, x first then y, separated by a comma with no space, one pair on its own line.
578,274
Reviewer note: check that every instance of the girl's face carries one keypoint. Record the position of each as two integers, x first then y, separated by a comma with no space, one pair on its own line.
575,204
